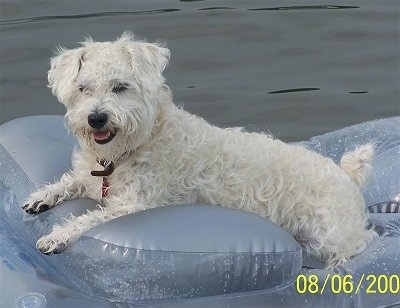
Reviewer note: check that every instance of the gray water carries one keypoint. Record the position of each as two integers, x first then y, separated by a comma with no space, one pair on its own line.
294,68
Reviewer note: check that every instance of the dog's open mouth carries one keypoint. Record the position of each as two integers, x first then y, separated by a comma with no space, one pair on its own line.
103,137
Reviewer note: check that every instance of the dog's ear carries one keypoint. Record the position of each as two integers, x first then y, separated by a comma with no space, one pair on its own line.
64,69
158,56
146,58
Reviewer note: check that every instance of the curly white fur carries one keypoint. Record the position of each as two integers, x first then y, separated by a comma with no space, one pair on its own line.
164,155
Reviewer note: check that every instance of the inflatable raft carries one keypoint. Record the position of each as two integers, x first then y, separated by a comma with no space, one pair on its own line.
187,256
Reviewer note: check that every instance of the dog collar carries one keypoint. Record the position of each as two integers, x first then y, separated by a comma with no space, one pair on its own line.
107,165
108,170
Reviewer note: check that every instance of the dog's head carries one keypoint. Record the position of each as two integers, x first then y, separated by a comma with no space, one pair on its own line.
112,91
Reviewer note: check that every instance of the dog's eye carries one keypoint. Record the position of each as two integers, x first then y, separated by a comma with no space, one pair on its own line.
120,87
83,89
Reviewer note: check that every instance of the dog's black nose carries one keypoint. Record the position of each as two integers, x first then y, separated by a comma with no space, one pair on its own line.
97,120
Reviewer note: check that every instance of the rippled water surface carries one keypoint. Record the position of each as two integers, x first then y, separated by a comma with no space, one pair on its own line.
294,68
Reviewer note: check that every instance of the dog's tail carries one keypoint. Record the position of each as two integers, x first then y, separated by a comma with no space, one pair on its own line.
358,164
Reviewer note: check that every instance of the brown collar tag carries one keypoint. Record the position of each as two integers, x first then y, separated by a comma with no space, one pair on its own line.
108,170
104,187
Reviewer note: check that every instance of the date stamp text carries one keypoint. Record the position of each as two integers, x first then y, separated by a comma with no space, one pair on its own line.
368,283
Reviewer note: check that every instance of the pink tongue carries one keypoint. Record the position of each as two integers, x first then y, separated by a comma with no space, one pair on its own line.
101,135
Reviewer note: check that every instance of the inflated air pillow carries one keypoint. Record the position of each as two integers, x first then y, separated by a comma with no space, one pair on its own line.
188,255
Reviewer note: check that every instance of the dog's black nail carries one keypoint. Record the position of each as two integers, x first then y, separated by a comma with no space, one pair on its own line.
56,198
55,251
42,208
29,211
35,209
36,203
58,251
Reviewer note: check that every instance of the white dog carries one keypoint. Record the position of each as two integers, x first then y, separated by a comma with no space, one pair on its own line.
139,151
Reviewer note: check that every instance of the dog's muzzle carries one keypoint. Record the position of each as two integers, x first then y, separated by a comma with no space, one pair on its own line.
98,121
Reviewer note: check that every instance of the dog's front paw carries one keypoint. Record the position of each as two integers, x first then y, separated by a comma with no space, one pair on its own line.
35,207
40,201
50,244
